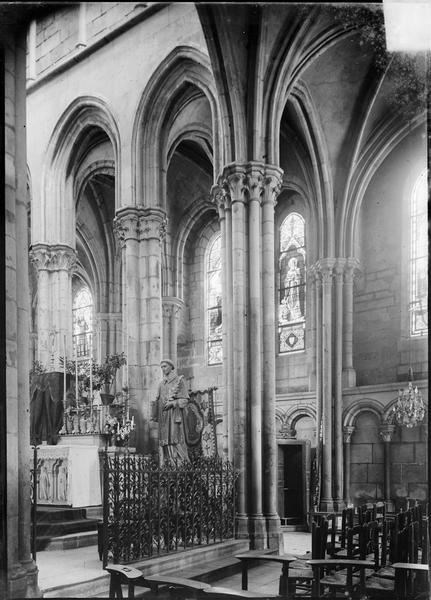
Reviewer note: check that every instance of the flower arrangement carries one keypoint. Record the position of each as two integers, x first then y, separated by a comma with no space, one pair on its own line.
118,427
103,374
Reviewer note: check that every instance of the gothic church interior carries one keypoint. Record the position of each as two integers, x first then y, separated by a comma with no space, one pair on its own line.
240,188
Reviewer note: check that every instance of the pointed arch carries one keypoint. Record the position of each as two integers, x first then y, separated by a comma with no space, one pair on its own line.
84,113
385,139
184,65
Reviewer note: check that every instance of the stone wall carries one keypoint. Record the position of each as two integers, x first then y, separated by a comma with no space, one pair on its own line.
72,27
383,349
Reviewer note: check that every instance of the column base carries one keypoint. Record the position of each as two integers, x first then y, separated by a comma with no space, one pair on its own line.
274,534
327,504
348,378
257,531
390,506
241,527
339,504
16,582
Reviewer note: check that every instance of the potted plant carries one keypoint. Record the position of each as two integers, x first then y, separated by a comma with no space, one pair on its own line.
104,375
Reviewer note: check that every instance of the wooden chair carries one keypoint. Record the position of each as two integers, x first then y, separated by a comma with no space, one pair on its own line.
300,573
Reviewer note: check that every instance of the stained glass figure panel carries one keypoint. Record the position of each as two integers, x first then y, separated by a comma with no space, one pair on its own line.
82,322
213,304
291,284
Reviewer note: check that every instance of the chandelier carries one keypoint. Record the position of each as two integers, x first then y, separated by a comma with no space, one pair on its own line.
409,409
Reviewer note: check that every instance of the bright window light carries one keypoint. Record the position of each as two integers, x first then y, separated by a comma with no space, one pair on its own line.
408,25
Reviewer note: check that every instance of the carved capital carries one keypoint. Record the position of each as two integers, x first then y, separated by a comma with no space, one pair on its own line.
152,224
172,306
272,184
221,199
326,268
387,431
339,267
351,270
255,180
137,223
234,182
126,225
53,258
347,433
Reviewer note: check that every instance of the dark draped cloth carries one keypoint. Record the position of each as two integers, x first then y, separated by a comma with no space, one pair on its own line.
46,407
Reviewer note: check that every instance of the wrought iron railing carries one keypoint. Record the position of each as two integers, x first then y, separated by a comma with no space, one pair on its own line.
151,509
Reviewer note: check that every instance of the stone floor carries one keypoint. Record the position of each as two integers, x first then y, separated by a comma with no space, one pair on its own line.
59,569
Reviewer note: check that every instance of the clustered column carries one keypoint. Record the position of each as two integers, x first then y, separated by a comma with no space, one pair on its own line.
140,231
246,198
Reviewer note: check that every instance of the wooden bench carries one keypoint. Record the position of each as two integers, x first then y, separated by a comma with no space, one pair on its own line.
222,592
176,582
284,559
122,574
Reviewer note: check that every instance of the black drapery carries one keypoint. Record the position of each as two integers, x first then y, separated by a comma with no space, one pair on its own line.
46,407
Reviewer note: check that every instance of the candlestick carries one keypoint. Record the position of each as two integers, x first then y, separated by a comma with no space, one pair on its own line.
76,372
133,421
91,376
64,371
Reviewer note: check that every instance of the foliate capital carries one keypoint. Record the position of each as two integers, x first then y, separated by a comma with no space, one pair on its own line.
387,431
347,433
172,306
351,269
57,257
339,267
126,225
138,223
253,180
153,223
326,268
220,198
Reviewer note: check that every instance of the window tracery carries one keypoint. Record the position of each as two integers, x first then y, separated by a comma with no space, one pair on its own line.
419,259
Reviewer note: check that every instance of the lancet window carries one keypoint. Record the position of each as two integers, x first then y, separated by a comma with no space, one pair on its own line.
291,284
82,313
419,259
213,302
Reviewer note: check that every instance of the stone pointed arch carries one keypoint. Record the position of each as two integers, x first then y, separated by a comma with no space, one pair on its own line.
364,405
57,183
183,65
385,139
319,183
196,212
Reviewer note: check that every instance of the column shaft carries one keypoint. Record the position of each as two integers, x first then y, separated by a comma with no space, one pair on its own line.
228,321
255,357
271,189
326,268
338,401
348,431
349,375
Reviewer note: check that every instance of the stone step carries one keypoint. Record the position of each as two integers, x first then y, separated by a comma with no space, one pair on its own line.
55,529
67,542
59,514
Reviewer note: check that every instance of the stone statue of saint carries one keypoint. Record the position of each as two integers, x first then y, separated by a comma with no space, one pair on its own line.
168,411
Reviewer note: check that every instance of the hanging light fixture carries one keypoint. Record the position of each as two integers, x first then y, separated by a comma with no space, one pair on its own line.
409,409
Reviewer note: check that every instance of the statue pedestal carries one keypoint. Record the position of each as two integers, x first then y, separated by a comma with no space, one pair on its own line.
69,475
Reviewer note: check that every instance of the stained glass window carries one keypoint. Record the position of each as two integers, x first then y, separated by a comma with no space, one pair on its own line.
419,259
213,303
291,285
82,322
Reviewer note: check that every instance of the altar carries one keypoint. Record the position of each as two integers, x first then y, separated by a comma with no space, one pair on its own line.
69,474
